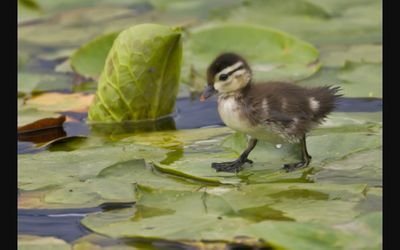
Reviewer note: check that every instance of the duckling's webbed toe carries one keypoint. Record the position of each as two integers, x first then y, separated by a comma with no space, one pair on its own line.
289,167
230,166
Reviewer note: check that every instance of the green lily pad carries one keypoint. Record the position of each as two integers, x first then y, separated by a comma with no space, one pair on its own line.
86,245
366,230
325,148
355,119
89,59
185,227
224,216
355,79
30,242
273,54
29,83
364,167
144,176
319,22
193,215
48,169
256,195
71,28
361,80
290,235
366,53
92,192
141,75
193,151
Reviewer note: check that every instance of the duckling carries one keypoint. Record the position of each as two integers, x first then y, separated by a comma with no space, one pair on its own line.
265,110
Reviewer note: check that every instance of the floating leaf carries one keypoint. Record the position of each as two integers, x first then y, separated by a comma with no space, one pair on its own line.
76,102
366,53
145,176
73,27
41,124
361,80
355,79
58,168
214,216
89,59
273,54
365,167
194,217
319,22
299,236
141,75
92,192
29,83
30,242
28,115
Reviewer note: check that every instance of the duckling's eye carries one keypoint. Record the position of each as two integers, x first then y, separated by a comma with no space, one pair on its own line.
223,77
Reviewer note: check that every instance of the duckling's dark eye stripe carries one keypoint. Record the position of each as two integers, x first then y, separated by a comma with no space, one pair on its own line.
233,71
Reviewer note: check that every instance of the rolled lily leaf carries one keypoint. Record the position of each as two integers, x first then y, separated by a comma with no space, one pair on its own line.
140,78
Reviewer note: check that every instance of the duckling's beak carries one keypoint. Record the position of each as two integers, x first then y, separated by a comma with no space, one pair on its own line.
208,91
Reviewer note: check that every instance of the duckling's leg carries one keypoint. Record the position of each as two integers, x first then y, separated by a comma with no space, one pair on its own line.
236,165
305,156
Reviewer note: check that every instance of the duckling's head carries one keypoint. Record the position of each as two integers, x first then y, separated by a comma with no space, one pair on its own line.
228,72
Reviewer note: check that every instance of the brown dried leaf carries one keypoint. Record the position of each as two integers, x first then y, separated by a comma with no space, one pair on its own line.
41,124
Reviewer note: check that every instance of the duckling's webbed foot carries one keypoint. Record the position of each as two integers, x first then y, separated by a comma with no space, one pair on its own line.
293,166
237,165
230,166
306,158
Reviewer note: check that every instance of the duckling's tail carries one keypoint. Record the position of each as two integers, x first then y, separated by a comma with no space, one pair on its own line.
323,100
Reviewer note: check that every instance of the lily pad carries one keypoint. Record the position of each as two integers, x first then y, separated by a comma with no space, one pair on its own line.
58,168
356,79
289,235
77,102
141,75
89,59
365,167
29,83
92,192
273,54
28,115
71,28
319,22
196,218
145,176
366,53
210,216
44,123
361,80
30,242
193,151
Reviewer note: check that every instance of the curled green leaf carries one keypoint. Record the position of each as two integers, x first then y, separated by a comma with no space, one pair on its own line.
141,74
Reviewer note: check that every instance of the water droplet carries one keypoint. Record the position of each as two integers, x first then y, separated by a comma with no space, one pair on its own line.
278,145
